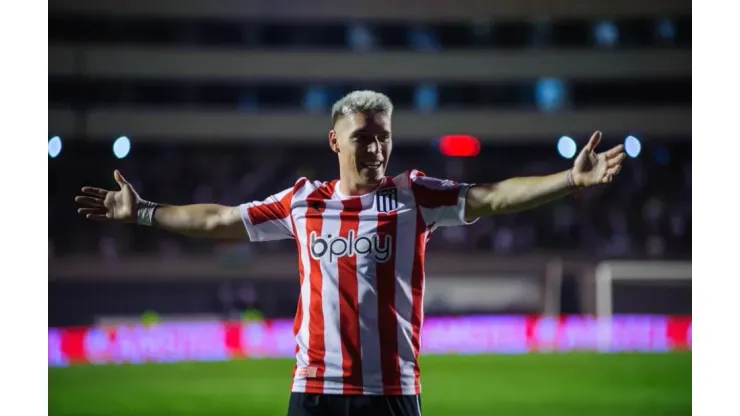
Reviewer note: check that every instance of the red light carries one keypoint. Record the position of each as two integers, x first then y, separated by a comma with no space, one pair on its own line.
459,145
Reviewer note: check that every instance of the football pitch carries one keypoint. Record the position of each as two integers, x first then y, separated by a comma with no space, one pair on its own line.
523,385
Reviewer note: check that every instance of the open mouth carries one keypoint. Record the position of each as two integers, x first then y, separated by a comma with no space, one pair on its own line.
372,165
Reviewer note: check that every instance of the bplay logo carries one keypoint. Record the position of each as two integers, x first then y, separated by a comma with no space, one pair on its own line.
338,246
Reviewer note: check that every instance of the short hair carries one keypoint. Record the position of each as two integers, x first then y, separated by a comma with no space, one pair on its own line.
364,101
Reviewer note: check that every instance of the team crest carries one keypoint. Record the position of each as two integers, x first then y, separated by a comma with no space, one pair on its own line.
386,200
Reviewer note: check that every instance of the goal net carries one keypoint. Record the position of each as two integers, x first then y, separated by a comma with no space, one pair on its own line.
643,287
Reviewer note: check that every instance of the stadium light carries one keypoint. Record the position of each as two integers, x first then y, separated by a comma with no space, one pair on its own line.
459,145
55,146
606,33
567,147
121,147
360,38
550,94
632,146
426,97
316,98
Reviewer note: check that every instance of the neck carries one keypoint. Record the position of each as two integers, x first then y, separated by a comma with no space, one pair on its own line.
353,187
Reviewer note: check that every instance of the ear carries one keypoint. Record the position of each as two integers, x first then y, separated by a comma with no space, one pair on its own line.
333,141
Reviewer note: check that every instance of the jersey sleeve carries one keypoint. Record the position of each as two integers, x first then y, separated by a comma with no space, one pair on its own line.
441,201
270,219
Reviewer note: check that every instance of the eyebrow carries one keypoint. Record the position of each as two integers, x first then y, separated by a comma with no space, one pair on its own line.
364,130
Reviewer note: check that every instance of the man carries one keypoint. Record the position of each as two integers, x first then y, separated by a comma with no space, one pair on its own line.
360,242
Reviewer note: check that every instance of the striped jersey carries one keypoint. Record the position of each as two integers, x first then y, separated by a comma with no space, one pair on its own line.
361,264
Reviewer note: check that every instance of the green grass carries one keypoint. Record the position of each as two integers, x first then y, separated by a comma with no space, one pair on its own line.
522,385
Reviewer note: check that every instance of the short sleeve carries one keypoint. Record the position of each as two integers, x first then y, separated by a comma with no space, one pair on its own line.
441,201
270,219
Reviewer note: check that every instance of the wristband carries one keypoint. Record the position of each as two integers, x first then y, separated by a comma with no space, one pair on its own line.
569,179
145,212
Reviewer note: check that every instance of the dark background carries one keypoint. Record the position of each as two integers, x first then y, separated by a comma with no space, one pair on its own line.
229,105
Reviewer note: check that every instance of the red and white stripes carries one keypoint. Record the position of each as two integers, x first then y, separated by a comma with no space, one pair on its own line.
360,312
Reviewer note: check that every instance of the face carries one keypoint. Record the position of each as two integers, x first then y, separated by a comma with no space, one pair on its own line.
363,143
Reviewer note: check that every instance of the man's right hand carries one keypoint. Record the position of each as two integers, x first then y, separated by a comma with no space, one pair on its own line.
196,220
101,205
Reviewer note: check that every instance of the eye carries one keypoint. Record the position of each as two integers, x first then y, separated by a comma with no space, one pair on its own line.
369,137
363,137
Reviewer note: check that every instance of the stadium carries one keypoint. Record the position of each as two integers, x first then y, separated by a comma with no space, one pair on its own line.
580,306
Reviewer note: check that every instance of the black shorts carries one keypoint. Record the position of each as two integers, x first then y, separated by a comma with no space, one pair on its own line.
302,404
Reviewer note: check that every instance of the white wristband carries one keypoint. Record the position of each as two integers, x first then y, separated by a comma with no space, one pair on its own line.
145,212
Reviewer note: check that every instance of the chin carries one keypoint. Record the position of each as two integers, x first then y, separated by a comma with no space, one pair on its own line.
373,177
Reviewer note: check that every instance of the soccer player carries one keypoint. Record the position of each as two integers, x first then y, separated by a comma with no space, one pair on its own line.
360,241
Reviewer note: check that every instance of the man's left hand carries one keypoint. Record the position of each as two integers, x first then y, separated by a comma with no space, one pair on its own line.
591,168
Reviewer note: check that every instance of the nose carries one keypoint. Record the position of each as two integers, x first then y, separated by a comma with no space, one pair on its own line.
373,145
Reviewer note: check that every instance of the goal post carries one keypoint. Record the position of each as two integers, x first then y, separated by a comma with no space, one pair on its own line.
608,272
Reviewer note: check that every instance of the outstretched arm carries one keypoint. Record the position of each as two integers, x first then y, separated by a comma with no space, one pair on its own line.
201,220
516,194
125,205
519,194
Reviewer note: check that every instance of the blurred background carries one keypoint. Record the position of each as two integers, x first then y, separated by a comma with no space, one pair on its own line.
228,101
